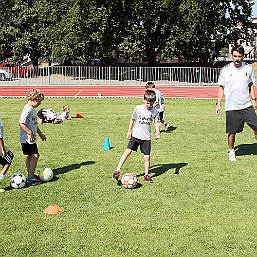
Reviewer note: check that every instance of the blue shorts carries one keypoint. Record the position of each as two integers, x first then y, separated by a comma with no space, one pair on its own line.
145,145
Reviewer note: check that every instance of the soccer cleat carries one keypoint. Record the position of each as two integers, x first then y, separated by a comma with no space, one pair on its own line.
232,155
34,179
148,178
116,175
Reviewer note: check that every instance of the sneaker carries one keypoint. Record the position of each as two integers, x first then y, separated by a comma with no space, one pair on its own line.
148,178
116,175
1,177
232,155
34,179
167,126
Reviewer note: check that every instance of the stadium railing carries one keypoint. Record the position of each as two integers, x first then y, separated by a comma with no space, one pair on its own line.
101,75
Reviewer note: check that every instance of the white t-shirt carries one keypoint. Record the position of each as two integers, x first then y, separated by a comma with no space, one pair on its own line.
49,114
144,119
159,100
63,116
29,118
235,82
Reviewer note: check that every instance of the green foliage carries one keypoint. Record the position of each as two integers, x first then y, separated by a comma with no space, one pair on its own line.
75,29
199,204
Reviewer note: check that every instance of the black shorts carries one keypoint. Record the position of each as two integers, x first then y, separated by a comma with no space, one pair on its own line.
7,159
236,119
145,145
29,149
161,115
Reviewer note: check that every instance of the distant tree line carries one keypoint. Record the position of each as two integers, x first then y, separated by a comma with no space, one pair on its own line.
193,30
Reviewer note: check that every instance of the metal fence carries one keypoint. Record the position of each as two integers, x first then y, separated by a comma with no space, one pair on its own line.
98,75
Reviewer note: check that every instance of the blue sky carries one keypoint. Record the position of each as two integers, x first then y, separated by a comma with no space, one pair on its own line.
255,9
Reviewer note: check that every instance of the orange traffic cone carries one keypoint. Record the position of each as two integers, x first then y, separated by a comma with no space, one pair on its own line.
53,209
79,116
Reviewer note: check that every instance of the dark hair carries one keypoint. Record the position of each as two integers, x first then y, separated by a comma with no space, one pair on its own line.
239,49
149,85
150,96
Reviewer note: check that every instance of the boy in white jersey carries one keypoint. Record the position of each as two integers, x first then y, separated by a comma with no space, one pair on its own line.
28,131
6,156
50,116
236,82
139,133
159,103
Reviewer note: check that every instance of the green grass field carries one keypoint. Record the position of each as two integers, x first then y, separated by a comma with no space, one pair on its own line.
199,204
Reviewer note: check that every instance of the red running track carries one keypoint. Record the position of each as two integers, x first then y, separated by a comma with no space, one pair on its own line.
200,92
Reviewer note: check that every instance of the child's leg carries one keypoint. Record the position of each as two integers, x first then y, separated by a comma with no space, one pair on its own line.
147,164
31,163
123,158
5,168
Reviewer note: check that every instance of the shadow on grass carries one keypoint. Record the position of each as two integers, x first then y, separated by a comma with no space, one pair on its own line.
246,149
56,172
70,167
29,184
162,168
137,186
171,128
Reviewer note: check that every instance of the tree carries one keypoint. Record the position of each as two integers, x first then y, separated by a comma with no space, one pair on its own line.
206,26
149,25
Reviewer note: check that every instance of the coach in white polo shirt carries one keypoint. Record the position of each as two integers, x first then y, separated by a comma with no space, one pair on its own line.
236,82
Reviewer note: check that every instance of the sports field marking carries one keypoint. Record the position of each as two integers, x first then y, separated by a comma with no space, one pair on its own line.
79,92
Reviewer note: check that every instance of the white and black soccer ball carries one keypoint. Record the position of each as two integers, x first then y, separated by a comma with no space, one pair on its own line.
129,180
17,180
46,174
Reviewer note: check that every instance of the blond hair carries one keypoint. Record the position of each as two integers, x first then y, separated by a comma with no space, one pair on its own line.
35,94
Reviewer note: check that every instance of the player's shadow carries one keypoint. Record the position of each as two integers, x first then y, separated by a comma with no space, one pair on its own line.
162,168
71,167
170,129
246,149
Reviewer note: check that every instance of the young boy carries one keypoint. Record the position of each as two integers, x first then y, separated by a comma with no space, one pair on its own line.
6,156
159,104
49,116
139,133
28,131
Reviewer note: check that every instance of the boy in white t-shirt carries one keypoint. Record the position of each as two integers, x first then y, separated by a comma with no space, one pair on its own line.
159,104
236,82
46,115
28,131
139,133
6,156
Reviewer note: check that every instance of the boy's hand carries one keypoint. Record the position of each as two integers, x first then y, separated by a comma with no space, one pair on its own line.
3,152
129,134
157,135
31,137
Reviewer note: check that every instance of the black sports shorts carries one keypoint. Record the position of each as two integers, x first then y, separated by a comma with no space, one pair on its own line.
7,159
236,119
28,149
145,145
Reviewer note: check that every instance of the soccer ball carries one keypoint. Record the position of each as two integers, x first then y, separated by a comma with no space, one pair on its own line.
129,180
17,180
46,174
